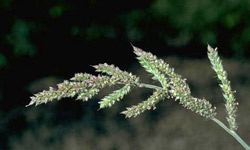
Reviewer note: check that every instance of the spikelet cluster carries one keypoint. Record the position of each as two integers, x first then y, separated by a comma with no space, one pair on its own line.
117,95
177,87
84,86
65,89
116,73
151,68
145,105
228,94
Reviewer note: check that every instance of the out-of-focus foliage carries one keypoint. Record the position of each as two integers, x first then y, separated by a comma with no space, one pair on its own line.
19,38
3,60
176,23
56,11
1,95
206,21
5,3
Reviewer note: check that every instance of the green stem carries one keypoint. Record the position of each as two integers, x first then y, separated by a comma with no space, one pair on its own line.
231,132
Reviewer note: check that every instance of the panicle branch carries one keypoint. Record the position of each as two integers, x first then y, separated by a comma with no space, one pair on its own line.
117,95
85,86
228,94
145,105
151,68
65,89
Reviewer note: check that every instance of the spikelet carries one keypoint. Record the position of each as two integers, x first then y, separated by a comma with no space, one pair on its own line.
81,77
87,94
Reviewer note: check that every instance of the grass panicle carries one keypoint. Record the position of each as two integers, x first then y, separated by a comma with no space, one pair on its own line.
84,86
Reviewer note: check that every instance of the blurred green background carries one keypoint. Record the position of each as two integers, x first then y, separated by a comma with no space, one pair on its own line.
44,42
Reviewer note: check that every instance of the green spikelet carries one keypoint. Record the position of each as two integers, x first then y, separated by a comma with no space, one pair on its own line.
87,94
145,105
228,94
110,100
81,77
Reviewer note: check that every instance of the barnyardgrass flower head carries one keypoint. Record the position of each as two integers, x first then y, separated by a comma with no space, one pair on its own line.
84,86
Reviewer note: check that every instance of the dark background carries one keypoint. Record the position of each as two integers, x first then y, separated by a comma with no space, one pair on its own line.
43,42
